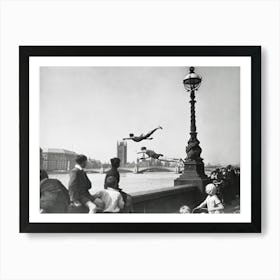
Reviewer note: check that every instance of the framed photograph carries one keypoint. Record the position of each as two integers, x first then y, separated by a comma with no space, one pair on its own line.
140,138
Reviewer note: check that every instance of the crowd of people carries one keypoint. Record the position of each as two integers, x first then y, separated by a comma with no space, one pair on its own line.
222,193
55,198
227,182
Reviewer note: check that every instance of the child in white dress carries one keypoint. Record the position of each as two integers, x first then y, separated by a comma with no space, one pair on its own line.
212,202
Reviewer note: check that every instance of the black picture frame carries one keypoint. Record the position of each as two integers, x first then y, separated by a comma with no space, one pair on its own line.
254,52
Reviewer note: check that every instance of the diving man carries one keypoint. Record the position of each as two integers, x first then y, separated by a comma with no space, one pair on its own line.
149,153
142,136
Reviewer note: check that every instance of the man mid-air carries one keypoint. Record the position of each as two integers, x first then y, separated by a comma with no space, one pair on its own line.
142,136
149,153
154,155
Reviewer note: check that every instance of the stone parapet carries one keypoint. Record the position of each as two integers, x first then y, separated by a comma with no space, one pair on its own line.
166,200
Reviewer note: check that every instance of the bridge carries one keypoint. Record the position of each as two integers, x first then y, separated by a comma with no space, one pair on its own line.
137,169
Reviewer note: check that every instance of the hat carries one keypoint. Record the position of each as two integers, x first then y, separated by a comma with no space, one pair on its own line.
81,158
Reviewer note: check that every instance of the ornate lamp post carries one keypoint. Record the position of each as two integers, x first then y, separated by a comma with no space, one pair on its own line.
194,166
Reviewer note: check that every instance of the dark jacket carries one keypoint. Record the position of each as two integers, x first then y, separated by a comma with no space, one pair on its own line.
79,185
115,173
112,172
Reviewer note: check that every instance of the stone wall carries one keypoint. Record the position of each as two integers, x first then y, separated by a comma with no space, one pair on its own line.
166,200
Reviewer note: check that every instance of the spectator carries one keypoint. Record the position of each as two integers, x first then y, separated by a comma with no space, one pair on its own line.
113,201
115,164
79,186
54,197
212,202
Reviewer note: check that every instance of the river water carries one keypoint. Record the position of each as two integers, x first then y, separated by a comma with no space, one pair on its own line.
129,182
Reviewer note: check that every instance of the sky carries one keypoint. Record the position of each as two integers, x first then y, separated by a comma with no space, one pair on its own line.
88,109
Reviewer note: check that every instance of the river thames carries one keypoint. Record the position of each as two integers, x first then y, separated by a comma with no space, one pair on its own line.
129,182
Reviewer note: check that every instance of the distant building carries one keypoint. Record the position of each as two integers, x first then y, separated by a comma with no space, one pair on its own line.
93,163
122,152
58,159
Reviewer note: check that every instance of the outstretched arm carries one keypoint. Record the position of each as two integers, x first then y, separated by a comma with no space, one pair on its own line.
143,157
201,205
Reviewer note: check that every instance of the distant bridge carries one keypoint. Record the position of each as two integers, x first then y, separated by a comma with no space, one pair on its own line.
139,169
136,169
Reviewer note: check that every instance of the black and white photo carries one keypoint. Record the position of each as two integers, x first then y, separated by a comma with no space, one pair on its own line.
143,138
